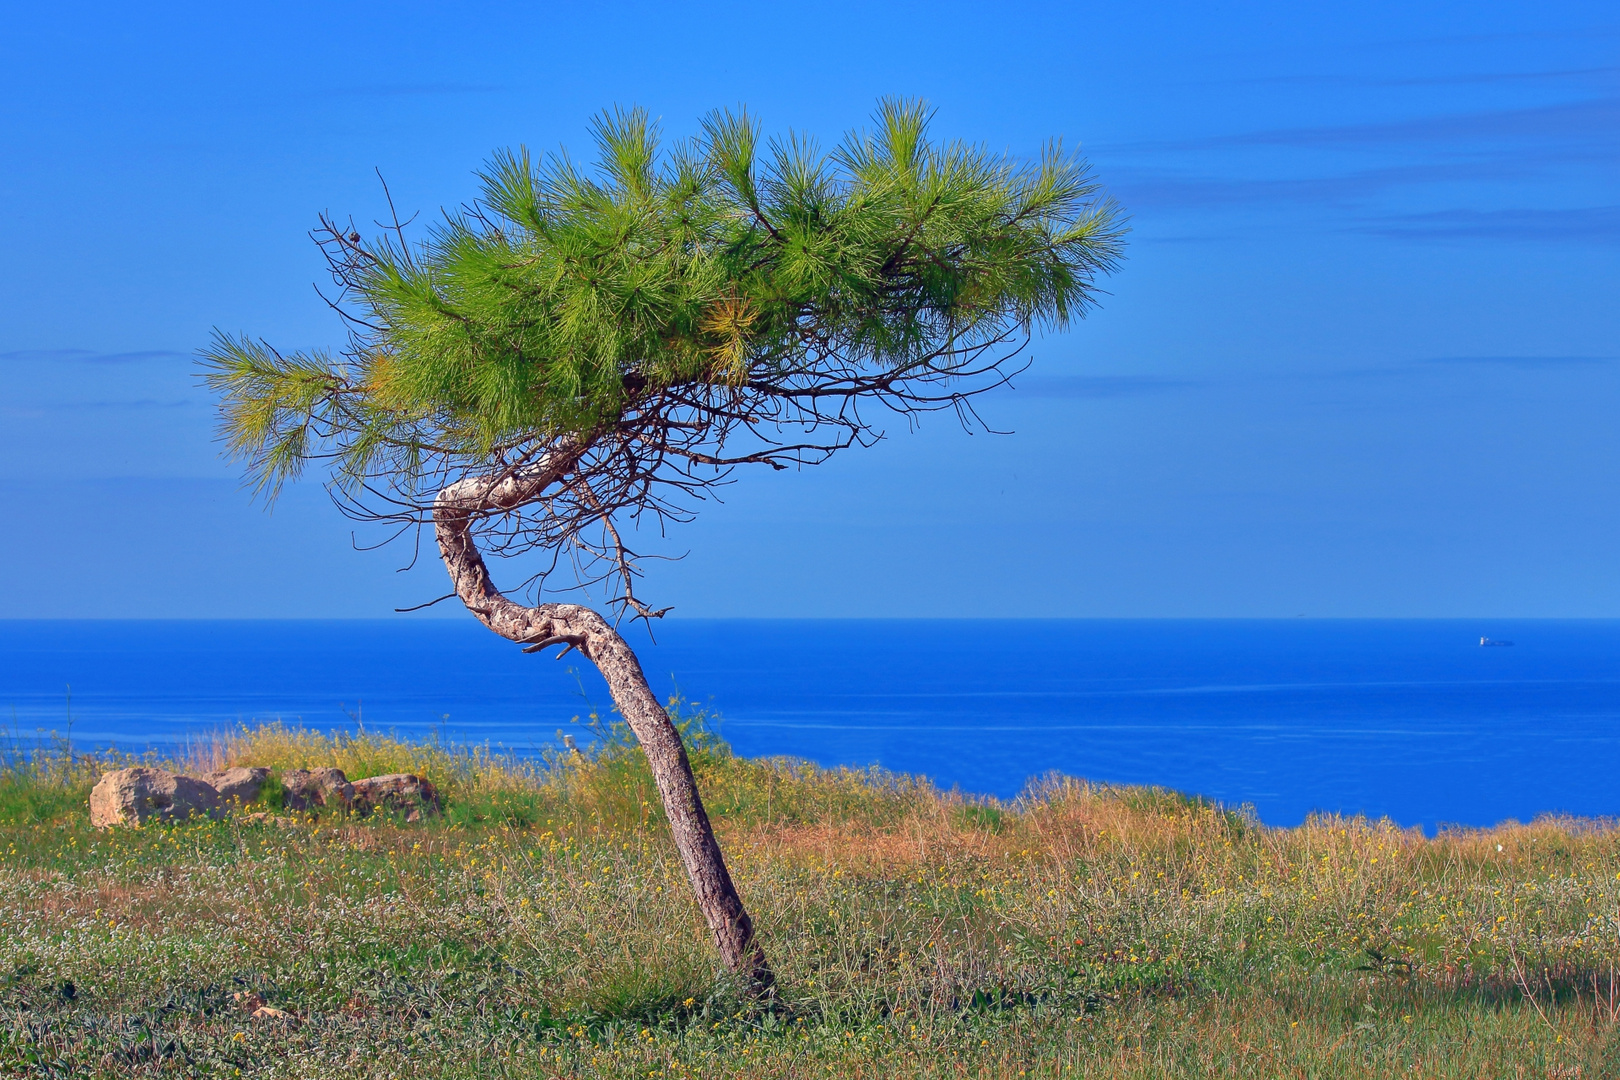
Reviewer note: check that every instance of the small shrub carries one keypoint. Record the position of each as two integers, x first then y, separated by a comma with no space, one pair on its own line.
974,815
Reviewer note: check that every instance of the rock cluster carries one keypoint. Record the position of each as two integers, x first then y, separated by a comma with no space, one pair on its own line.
136,796
403,793
239,785
307,789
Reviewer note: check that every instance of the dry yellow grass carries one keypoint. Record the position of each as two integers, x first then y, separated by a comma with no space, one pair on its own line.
544,928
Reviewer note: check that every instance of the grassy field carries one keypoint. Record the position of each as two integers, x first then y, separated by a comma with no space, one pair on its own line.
543,928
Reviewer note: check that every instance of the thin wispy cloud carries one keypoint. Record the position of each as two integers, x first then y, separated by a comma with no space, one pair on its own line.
1595,118
1095,386
137,404
1589,225
48,408
1476,78
89,356
1579,119
1502,146
1529,363
1459,367
1178,190
1248,59
1108,387
36,355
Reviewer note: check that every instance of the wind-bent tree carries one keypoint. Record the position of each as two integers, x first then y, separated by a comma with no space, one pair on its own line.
581,351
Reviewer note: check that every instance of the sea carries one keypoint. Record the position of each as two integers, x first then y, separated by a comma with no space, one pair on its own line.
1412,720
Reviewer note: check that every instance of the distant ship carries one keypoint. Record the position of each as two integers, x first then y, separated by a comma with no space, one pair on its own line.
1487,642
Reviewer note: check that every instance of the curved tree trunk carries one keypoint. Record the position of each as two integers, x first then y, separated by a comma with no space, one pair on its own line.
589,632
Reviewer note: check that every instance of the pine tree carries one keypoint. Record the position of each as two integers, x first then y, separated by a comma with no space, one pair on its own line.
579,351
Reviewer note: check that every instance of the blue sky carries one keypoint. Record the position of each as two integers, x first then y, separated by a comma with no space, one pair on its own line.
1363,358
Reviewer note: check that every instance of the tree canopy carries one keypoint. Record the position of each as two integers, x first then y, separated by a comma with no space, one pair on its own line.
637,330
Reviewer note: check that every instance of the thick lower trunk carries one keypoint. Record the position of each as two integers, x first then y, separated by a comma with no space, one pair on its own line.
592,635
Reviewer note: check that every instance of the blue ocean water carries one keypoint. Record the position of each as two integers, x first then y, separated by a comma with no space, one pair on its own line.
1407,719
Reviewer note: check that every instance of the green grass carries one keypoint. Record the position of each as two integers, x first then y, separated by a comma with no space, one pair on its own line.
543,927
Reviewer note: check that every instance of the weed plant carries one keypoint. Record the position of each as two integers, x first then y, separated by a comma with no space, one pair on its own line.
543,927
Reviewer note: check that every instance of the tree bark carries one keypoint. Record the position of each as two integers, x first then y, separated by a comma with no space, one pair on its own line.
453,514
